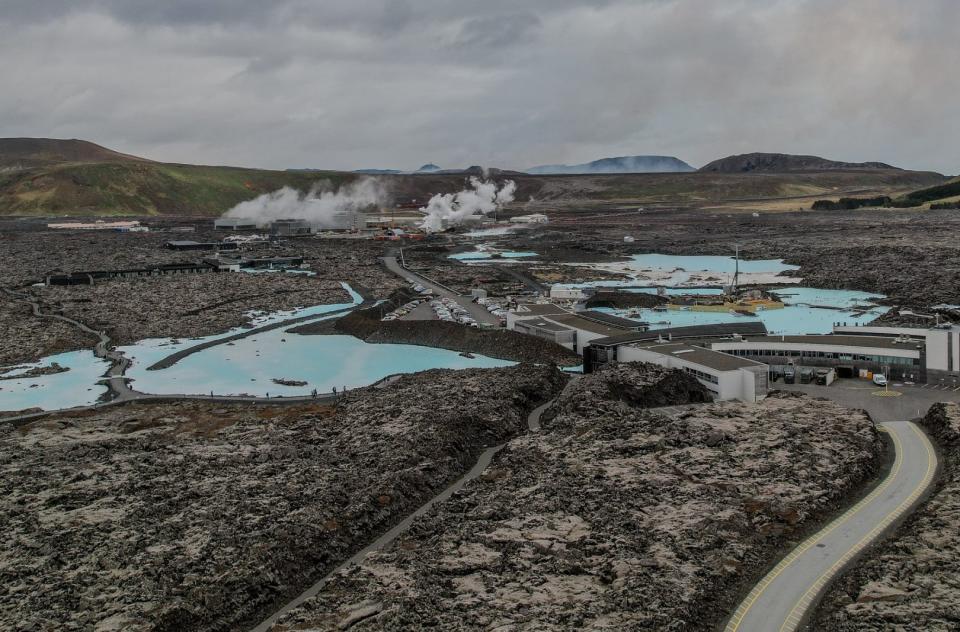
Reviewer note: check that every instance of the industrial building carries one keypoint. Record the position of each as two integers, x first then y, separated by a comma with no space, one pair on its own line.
920,355
899,358
187,245
234,223
88,278
564,293
941,345
290,227
120,226
573,330
726,376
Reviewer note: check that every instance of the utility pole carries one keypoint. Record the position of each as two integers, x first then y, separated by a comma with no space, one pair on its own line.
736,269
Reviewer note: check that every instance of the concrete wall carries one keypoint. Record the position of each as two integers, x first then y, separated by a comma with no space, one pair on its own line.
896,371
735,384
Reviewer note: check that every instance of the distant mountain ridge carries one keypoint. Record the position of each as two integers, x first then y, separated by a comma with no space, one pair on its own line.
47,177
773,162
620,164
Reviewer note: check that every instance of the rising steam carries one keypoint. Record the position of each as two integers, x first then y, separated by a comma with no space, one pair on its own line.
481,199
321,206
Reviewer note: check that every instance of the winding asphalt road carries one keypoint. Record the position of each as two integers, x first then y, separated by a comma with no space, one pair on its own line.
783,598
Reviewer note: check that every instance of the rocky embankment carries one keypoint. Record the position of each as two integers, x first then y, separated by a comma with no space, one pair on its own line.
912,580
26,338
503,344
207,516
186,306
613,516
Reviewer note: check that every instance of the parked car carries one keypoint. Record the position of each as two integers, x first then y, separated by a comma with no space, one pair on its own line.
879,379
789,376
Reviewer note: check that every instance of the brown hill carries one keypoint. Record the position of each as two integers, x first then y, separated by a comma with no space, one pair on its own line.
38,152
46,177
775,163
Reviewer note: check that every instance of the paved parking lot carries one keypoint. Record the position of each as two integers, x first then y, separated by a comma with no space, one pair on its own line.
906,402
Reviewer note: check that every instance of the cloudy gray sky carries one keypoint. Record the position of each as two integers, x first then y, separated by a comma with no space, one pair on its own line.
396,83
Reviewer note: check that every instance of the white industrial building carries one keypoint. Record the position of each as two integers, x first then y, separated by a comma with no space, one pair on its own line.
724,375
234,223
574,331
560,292
897,357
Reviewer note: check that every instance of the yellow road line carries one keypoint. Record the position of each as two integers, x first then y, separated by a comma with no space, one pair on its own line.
734,624
796,613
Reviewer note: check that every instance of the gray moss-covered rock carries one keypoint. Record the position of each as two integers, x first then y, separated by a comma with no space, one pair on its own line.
612,517
207,516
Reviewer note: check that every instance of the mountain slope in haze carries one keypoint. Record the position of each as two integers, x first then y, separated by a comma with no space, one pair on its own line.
784,162
110,183
620,164
35,152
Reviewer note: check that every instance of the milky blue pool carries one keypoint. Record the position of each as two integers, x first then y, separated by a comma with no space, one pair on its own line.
654,269
76,387
249,365
807,312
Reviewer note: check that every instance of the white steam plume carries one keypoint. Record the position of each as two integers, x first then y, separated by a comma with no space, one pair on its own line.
481,199
321,206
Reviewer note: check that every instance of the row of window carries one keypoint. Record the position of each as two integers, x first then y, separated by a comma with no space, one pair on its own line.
701,375
825,355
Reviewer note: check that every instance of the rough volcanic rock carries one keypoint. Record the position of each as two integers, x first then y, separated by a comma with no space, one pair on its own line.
498,343
912,580
612,517
26,338
204,516
186,306
622,300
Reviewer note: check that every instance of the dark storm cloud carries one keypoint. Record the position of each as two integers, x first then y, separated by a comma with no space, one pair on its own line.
396,83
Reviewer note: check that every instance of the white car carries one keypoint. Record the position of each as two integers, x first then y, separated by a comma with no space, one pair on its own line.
879,379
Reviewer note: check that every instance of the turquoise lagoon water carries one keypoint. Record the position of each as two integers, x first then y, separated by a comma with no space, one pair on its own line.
76,387
679,268
677,291
248,365
806,312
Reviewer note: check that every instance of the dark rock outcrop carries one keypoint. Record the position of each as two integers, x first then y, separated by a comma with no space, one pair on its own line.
206,516
783,162
623,300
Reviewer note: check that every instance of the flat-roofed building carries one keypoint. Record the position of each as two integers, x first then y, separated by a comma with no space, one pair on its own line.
541,328
724,375
564,293
235,223
586,326
587,330
897,358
